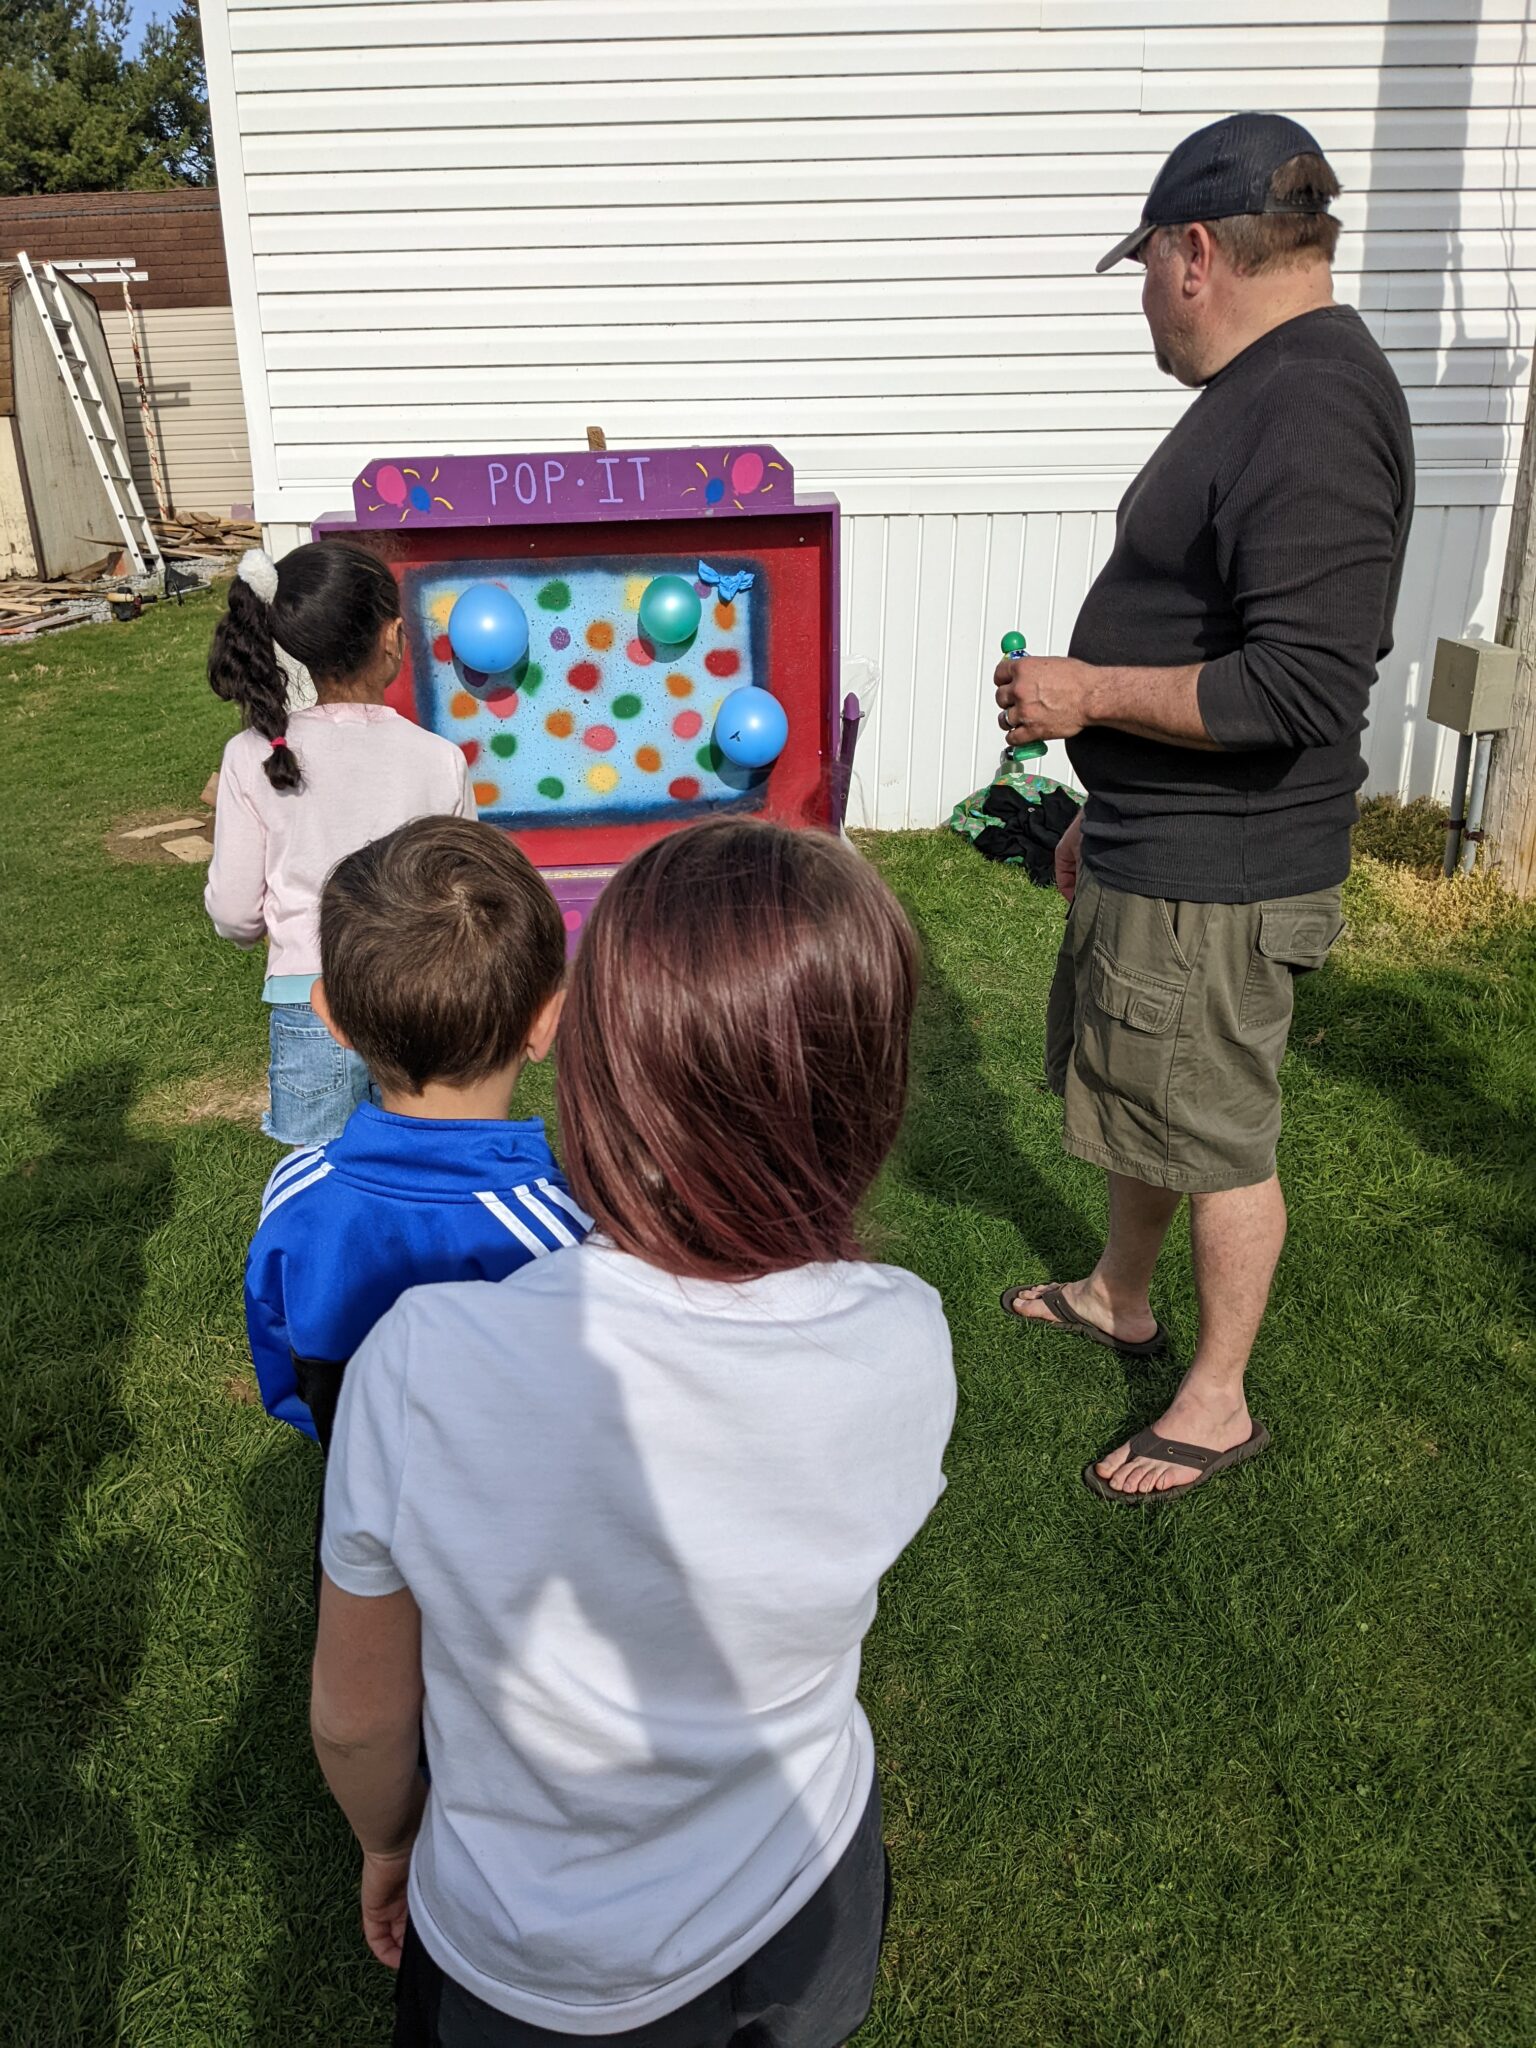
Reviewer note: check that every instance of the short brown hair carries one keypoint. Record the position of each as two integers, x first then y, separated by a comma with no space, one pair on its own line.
439,945
733,1054
1252,242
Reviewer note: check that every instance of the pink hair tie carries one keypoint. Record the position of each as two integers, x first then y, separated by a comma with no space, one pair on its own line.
280,741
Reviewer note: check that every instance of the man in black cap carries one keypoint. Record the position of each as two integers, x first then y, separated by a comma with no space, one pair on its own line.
1213,700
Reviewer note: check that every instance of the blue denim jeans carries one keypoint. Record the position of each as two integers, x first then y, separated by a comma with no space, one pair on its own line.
315,1083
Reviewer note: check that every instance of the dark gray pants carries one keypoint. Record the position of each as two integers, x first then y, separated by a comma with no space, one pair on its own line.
810,1986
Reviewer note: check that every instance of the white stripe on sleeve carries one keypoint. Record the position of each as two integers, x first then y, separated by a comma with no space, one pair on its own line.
567,1201
518,1228
296,1162
293,1187
547,1217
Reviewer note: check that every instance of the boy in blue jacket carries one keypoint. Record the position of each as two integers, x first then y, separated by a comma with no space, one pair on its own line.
442,963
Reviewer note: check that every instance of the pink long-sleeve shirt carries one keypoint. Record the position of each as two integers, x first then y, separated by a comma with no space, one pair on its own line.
366,770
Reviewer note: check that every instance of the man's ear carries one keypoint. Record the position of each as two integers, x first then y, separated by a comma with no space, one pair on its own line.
322,1009
1198,249
542,1035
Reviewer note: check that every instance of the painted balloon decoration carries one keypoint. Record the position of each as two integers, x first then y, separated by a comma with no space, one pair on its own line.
669,611
488,630
751,728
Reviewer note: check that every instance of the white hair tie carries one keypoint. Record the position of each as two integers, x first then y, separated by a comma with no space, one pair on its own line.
258,569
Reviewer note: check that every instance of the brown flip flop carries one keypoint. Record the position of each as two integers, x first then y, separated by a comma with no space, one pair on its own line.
1065,1317
1148,1444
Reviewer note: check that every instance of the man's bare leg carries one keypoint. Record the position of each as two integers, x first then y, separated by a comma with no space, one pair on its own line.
1236,1237
1117,1294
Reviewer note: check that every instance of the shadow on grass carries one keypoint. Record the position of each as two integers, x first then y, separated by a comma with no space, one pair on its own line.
1422,1046
74,1224
957,1147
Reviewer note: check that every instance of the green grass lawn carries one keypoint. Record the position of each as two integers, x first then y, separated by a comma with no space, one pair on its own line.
1249,1772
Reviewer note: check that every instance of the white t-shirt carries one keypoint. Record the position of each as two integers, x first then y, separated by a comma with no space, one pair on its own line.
644,1520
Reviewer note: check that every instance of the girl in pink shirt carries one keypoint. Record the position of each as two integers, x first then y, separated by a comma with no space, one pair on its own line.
299,789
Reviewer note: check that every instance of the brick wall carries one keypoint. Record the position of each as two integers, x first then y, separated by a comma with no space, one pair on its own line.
174,235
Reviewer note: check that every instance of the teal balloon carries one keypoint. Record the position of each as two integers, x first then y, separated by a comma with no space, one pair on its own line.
669,610
488,629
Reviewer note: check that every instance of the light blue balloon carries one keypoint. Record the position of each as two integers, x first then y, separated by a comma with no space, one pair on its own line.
750,727
488,629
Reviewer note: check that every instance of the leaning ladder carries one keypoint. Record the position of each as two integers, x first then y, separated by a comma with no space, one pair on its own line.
52,303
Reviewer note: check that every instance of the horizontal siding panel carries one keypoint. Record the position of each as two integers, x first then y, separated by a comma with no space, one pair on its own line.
395,25
313,210
507,219
591,305
1389,44
1016,259
659,422
1311,94
638,65
405,384
809,344
334,463
1260,14
406,145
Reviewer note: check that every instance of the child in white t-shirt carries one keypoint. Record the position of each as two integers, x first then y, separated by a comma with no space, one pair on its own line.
615,1526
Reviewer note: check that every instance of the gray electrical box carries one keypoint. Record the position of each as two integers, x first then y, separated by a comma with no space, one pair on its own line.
1473,686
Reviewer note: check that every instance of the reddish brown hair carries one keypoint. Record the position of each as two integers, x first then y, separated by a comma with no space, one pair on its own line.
733,1054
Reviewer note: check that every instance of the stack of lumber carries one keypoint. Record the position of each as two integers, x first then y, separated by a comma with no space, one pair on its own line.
30,607
194,534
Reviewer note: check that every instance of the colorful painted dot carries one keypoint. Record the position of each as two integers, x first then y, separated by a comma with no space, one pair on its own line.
725,616
440,610
648,758
533,675
722,661
421,498
628,706
552,787
584,676
746,472
463,705
709,758
571,919
640,652
502,702
688,725
635,588
504,744
470,749
441,650
685,789
486,793
679,686
554,596
603,778
599,738
560,725
714,491
559,639
474,676
600,635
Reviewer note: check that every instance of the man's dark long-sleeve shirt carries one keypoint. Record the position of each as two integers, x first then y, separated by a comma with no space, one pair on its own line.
1264,539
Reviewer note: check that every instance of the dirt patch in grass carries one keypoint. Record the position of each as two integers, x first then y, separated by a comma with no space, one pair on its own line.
146,835
216,1098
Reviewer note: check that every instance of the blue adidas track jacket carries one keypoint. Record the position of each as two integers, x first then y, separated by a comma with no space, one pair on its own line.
394,1202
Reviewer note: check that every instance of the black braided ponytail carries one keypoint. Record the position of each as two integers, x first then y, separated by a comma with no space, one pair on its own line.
333,601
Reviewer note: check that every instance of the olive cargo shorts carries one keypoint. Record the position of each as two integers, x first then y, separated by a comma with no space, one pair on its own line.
1167,1025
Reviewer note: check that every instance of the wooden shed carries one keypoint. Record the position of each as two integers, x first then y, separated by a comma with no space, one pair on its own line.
55,516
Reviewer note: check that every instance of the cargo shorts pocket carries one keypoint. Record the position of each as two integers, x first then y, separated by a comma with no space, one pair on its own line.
1126,1049
1293,938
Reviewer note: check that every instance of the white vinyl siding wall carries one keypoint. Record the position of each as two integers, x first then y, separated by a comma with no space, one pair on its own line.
866,232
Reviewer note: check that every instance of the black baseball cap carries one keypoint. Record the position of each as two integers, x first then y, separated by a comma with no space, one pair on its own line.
1220,171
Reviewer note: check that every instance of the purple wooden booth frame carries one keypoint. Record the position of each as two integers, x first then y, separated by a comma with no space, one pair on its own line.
434,493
